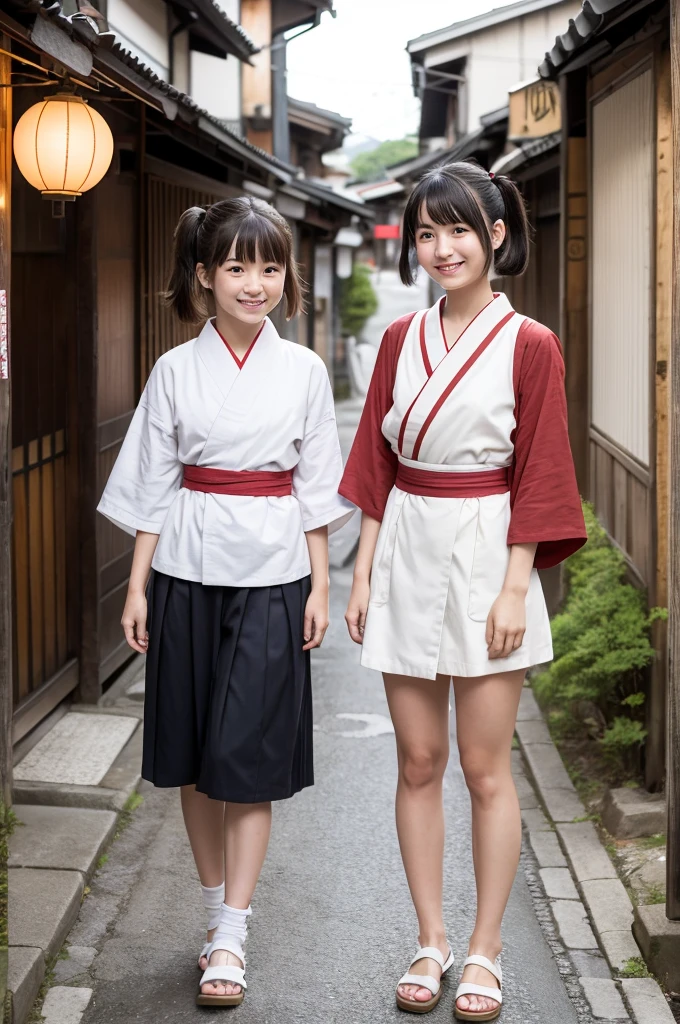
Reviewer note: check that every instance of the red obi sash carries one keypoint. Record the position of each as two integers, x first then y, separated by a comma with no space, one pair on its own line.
245,483
432,484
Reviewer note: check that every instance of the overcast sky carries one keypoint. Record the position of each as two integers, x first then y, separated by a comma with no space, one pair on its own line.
357,65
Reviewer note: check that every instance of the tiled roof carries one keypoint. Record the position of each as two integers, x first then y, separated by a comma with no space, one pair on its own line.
594,17
477,23
328,115
111,52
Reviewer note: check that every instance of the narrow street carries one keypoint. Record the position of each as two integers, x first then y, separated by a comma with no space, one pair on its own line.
332,928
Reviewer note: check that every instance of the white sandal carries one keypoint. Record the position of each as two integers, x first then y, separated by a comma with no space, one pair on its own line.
424,980
230,937
468,989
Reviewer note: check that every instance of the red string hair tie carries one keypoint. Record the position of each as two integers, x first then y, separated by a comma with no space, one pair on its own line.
492,175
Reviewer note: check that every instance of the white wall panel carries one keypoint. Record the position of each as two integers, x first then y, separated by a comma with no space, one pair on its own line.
142,26
621,251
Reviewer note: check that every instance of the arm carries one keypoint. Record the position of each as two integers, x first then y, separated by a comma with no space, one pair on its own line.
506,624
316,609
544,498
134,613
355,616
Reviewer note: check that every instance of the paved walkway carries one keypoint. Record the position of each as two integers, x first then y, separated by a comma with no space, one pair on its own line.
332,928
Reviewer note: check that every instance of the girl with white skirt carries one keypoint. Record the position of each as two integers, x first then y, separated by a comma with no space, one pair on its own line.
228,479
463,472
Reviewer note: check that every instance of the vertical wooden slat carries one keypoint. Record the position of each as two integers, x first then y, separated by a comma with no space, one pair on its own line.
60,517
673,734
21,597
35,568
48,581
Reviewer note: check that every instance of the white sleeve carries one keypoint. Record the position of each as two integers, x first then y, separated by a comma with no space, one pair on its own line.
147,473
317,475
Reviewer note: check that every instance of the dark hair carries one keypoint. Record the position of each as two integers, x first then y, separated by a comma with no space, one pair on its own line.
464,193
207,235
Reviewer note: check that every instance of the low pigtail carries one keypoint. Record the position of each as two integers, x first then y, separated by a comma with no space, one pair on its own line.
185,294
512,257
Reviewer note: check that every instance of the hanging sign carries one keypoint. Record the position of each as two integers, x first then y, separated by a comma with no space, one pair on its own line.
4,354
534,110
386,231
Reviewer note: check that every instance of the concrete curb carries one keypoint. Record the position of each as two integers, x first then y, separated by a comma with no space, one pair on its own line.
52,857
597,914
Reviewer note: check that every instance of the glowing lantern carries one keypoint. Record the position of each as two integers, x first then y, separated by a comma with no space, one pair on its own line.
62,146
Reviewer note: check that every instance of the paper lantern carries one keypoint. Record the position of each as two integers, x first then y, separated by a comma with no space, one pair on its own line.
62,146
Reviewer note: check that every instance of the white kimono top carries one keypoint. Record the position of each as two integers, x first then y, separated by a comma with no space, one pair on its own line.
201,406
494,400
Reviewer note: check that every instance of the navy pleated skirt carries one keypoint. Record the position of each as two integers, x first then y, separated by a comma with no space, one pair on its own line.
228,704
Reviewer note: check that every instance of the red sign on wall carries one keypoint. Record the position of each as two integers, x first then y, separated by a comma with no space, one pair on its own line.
387,231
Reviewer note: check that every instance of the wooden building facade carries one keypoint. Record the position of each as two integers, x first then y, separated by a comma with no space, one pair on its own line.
615,287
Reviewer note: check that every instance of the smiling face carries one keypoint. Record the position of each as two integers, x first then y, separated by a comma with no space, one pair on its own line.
243,289
453,254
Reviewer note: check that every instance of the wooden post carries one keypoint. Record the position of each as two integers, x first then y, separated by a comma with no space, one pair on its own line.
655,748
574,284
5,489
673,735
89,689
5,434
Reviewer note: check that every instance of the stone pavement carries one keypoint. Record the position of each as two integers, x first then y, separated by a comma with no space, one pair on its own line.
332,928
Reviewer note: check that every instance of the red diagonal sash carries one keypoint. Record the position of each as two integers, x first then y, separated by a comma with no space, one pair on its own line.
456,380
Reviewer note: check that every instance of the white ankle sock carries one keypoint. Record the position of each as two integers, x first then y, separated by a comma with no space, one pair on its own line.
233,928
212,901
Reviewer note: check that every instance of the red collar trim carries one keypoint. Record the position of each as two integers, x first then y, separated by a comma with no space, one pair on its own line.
240,362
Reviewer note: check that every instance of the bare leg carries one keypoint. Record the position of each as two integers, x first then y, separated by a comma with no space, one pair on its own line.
496,821
420,714
246,836
204,822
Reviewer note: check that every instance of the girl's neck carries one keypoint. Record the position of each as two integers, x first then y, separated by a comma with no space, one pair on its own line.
238,334
461,307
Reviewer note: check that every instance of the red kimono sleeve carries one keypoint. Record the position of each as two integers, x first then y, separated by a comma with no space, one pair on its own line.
544,497
372,465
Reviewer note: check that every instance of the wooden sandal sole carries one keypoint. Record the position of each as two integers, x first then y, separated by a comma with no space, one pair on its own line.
203,1000
471,1015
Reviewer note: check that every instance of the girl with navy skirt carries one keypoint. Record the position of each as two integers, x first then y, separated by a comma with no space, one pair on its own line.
228,478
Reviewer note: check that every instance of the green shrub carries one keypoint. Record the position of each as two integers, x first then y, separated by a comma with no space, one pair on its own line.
358,300
602,648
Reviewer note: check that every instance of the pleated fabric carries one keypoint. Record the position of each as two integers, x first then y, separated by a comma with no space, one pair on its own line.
228,703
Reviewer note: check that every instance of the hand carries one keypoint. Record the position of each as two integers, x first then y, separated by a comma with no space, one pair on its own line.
316,618
506,624
355,616
134,622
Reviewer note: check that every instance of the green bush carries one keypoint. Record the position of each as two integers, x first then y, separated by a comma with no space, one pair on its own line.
602,649
358,300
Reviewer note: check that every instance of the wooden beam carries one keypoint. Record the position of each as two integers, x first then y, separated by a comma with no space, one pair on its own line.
655,747
673,734
5,433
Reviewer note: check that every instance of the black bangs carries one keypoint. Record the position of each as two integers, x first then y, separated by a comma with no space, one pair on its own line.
450,195
207,236
259,237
